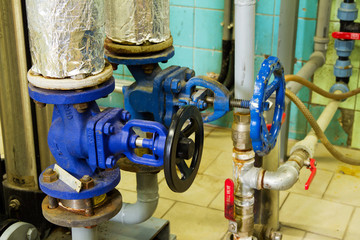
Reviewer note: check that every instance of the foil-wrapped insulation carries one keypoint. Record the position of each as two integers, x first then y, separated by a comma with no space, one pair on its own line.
66,37
137,21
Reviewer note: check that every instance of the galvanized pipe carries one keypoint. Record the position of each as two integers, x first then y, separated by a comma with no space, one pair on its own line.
147,200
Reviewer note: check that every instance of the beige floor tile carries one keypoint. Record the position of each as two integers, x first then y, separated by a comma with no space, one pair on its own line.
163,206
218,202
315,215
222,166
353,231
208,156
312,236
292,234
202,192
344,189
282,197
220,139
208,128
191,222
318,185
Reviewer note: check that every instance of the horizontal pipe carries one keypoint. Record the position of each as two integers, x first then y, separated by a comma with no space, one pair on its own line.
147,201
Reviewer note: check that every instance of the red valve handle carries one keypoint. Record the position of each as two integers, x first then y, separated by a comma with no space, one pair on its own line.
346,35
312,168
229,200
268,126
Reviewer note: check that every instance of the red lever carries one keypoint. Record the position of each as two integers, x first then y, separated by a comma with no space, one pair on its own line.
229,199
312,168
346,35
268,126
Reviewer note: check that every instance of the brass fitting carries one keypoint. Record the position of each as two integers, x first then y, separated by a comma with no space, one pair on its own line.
241,132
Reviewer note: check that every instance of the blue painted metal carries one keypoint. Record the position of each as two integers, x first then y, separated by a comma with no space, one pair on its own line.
264,141
141,60
220,93
166,91
344,47
347,12
71,97
340,86
105,181
343,68
83,142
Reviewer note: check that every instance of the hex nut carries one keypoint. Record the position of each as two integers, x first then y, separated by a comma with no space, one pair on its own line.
81,107
50,176
87,182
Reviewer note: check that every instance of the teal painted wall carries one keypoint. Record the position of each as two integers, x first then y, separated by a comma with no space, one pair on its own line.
196,27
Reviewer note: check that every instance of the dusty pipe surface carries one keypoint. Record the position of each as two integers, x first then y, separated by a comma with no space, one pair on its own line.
244,50
137,22
66,37
147,200
310,141
84,233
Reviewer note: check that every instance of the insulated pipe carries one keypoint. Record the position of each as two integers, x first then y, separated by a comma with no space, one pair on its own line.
244,50
147,200
309,143
84,233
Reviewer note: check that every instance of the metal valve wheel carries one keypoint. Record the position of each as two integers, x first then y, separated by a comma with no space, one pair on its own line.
183,154
263,140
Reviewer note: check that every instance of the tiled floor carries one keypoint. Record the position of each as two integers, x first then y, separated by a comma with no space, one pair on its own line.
330,209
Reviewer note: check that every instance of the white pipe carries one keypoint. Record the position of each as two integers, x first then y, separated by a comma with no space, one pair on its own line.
147,200
309,143
244,50
84,233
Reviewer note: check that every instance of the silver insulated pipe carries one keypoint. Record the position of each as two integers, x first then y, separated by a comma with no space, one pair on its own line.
66,37
137,22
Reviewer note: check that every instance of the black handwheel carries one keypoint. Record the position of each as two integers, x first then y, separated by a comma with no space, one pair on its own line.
182,154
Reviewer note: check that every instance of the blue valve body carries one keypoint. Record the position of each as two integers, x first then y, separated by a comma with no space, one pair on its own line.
264,141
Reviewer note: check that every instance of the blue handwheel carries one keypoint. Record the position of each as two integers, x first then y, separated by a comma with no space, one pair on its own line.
264,141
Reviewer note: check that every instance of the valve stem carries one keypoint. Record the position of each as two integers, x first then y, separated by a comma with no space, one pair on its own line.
234,103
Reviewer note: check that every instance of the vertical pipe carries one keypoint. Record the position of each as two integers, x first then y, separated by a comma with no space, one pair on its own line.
16,114
244,49
84,233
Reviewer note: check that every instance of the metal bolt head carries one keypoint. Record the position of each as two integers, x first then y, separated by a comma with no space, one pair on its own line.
201,104
148,68
110,162
125,116
109,129
189,73
50,176
175,85
32,233
14,204
87,182
81,107
232,227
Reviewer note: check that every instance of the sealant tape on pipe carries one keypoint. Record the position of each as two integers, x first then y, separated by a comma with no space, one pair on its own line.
244,2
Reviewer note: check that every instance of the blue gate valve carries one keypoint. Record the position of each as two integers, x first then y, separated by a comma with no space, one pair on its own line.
83,142
263,140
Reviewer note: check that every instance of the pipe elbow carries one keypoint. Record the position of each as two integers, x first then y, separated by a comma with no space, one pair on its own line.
283,179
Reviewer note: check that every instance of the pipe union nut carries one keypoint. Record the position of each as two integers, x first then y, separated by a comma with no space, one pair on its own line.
241,132
344,48
343,68
347,12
